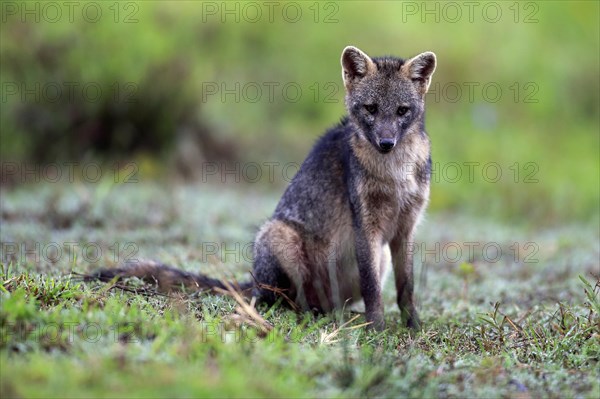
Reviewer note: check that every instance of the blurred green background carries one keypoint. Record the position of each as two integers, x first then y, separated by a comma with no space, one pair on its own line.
172,85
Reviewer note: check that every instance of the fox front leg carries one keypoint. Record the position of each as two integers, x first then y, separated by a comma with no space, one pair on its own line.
402,260
368,255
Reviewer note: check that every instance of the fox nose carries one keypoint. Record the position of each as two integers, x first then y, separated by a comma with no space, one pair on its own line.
387,144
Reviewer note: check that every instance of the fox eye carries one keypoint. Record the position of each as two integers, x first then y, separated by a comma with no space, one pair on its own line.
402,110
371,108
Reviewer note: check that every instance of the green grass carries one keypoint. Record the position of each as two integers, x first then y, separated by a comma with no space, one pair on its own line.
525,325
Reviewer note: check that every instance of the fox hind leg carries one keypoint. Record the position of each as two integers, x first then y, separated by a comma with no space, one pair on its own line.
281,261
268,273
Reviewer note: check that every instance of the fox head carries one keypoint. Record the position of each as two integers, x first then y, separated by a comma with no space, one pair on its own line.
385,96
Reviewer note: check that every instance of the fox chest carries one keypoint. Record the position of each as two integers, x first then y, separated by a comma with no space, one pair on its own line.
387,204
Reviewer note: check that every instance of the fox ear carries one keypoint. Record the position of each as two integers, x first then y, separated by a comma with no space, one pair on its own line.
355,65
420,69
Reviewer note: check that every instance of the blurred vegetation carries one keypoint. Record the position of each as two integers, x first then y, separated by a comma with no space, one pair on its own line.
157,65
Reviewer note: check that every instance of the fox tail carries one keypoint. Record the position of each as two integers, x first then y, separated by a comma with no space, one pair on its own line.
166,278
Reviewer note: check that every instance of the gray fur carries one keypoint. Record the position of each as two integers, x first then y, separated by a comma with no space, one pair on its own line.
352,198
